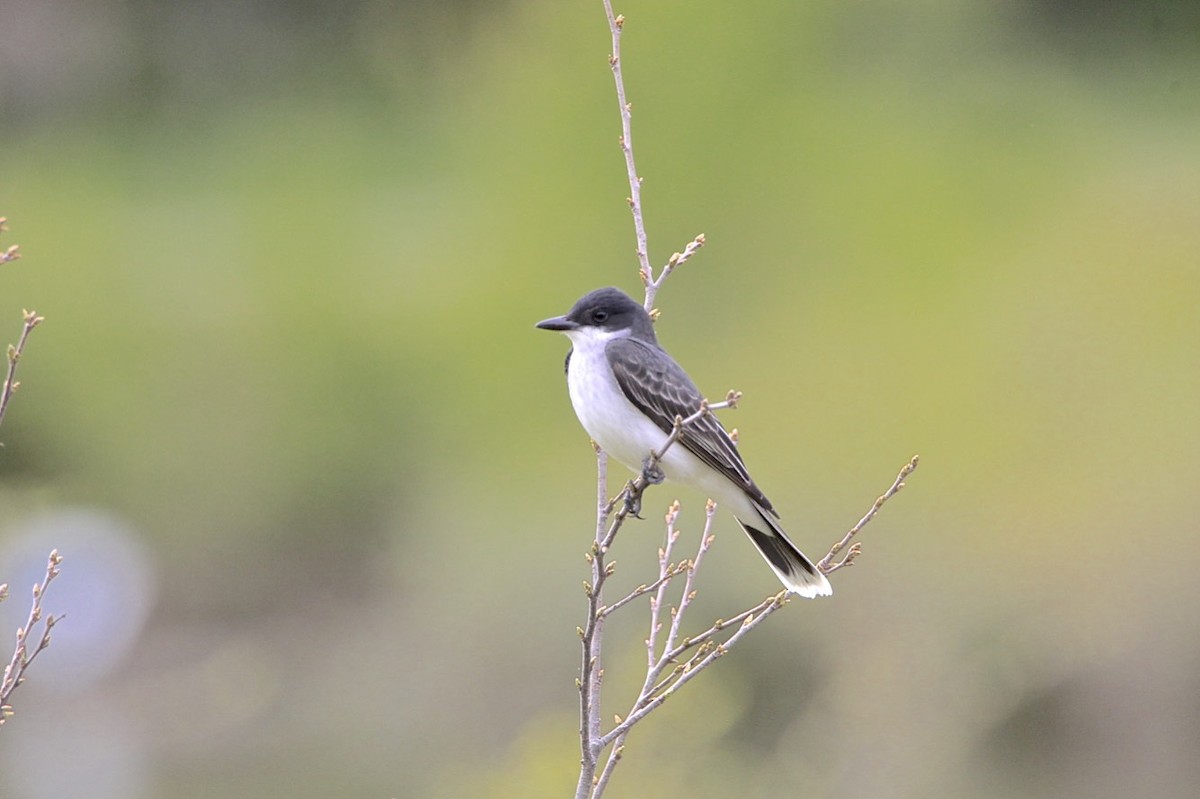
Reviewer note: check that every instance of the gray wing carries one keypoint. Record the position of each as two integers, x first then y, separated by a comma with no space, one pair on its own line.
659,388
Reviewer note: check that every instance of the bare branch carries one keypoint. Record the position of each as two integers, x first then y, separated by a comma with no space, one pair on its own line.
14,672
11,253
590,670
827,564
677,660
615,24
664,673
660,596
676,259
643,589
688,671
32,320
689,590
11,384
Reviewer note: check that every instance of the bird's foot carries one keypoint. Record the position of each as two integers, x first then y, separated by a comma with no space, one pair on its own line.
651,473
633,500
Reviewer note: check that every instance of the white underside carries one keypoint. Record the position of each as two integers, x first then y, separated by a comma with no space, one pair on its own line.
627,434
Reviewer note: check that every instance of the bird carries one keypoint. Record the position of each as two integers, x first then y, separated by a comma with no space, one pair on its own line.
627,392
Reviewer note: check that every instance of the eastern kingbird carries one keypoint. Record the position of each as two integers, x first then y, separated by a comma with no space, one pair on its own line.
627,392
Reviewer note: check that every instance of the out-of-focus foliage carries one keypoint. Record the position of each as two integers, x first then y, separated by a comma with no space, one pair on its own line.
290,256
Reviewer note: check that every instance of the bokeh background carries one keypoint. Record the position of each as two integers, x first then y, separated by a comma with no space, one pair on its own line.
320,492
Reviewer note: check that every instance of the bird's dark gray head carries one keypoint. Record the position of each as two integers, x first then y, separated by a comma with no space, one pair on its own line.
607,310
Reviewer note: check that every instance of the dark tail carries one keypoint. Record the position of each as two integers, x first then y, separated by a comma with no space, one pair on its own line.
798,573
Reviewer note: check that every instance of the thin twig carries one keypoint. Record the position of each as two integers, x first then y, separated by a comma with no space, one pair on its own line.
666,570
615,24
671,667
676,259
634,488
11,384
590,670
763,610
827,565
12,252
689,590
656,687
14,672
657,662
32,320
660,596
643,589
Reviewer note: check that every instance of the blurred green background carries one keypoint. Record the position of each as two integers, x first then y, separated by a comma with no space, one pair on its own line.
290,256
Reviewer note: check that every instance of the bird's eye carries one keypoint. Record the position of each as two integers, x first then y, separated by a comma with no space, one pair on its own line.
599,315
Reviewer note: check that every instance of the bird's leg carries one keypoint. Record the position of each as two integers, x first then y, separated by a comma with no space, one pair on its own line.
651,475
650,471
633,499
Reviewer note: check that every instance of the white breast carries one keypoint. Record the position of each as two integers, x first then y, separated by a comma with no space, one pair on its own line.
623,431
606,414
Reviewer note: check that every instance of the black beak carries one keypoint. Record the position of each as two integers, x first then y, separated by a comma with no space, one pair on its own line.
559,323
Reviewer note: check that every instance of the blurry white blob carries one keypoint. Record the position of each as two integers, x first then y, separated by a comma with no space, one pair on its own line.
105,590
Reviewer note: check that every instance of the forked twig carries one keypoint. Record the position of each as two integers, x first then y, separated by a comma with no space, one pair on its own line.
675,660
14,672
616,24
32,320
11,384
827,565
